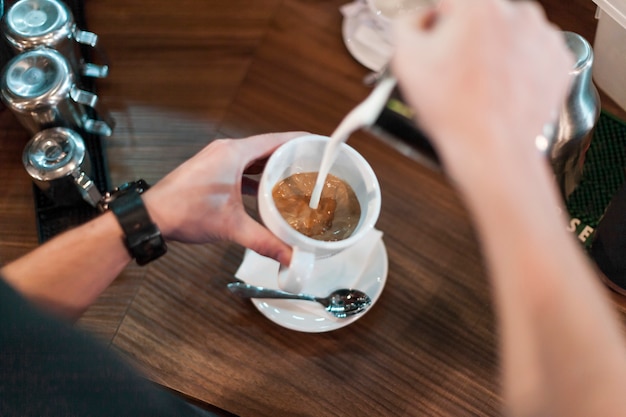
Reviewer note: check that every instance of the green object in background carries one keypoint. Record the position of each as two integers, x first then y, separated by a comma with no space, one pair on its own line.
603,175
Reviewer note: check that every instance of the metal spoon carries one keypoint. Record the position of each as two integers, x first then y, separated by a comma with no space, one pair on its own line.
340,303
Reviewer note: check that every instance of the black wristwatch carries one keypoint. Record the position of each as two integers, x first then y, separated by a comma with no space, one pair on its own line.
141,236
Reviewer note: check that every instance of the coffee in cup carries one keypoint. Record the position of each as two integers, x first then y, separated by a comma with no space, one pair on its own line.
336,216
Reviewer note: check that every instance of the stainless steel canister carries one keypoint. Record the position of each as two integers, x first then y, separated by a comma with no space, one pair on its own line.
58,163
40,90
30,24
578,116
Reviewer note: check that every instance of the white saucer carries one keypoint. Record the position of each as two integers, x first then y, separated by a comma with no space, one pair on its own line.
310,317
364,40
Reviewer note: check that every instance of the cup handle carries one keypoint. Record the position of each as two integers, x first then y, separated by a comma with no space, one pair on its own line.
293,277
87,188
91,39
99,127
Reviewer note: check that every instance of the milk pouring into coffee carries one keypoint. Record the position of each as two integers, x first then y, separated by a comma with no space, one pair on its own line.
338,212
363,115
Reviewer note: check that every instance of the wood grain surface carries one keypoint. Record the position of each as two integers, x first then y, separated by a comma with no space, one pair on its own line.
184,73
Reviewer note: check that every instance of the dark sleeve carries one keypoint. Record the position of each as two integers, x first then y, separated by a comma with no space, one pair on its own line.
49,368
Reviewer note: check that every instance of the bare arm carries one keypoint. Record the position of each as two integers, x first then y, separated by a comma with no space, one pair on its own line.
69,272
484,76
562,348
199,202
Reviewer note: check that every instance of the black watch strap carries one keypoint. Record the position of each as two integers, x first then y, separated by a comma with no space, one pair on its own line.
142,237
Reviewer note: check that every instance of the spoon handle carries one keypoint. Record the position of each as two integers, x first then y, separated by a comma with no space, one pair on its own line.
250,291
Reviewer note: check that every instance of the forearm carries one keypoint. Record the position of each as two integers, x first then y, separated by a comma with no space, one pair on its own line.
562,348
483,106
199,202
66,274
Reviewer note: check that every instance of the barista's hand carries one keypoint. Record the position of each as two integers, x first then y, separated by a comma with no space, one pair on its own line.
482,75
201,200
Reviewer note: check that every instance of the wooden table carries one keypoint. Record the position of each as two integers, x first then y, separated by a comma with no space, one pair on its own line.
184,73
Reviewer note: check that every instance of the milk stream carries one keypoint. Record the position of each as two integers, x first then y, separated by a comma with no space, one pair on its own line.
364,114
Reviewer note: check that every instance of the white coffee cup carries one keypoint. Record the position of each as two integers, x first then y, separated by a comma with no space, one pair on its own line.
304,154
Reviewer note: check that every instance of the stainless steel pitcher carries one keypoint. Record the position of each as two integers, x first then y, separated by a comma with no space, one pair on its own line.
40,89
30,24
58,163
578,116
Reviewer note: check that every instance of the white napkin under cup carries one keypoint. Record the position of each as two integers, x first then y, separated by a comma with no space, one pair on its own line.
342,270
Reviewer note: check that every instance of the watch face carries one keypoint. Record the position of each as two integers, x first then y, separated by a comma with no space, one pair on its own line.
149,247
